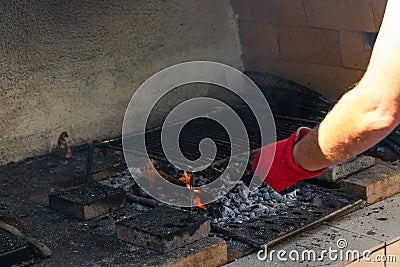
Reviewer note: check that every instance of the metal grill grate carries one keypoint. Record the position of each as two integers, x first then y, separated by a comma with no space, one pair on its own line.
293,106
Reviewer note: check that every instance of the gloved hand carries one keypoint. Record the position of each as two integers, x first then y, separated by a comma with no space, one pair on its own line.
283,172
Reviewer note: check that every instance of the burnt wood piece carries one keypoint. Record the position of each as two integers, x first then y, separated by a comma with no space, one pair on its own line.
13,250
142,200
35,246
163,229
88,201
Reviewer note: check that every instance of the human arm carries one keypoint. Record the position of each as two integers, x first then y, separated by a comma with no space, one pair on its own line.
361,118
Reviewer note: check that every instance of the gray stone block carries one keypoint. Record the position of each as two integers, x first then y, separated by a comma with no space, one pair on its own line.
163,229
346,168
88,201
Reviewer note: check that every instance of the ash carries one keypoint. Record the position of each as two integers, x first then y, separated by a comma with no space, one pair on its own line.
241,205
124,180
238,206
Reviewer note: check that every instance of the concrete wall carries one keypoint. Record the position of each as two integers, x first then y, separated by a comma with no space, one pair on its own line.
74,65
322,44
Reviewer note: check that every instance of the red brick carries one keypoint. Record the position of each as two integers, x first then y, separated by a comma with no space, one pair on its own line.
300,72
264,11
242,9
332,82
378,8
291,12
259,39
352,15
354,54
310,45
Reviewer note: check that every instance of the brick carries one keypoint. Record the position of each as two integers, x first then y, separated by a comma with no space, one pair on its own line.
88,201
300,72
242,9
207,252
352,15
163,229
264,11
354,54
346,168
259,39
393,254
310,45
378,9
332,82
374,184
291,12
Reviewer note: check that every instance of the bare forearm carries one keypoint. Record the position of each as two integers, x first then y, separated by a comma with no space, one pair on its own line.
355,124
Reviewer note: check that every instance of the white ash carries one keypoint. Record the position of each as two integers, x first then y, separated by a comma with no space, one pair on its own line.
241,205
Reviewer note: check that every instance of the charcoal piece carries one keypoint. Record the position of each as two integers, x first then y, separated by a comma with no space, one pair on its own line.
214,210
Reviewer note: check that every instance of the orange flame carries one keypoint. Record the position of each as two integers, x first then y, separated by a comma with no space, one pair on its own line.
196,200
185,179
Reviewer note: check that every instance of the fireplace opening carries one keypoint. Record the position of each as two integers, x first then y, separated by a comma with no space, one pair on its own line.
146,229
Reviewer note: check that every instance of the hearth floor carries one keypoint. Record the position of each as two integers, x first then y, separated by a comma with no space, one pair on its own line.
24,189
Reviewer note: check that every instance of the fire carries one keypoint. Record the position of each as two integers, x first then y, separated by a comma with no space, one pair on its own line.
197,203
186,181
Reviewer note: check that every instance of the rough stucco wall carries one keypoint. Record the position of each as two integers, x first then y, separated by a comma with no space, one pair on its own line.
74,65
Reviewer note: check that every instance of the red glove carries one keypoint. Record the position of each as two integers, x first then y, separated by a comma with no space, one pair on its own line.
283,172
